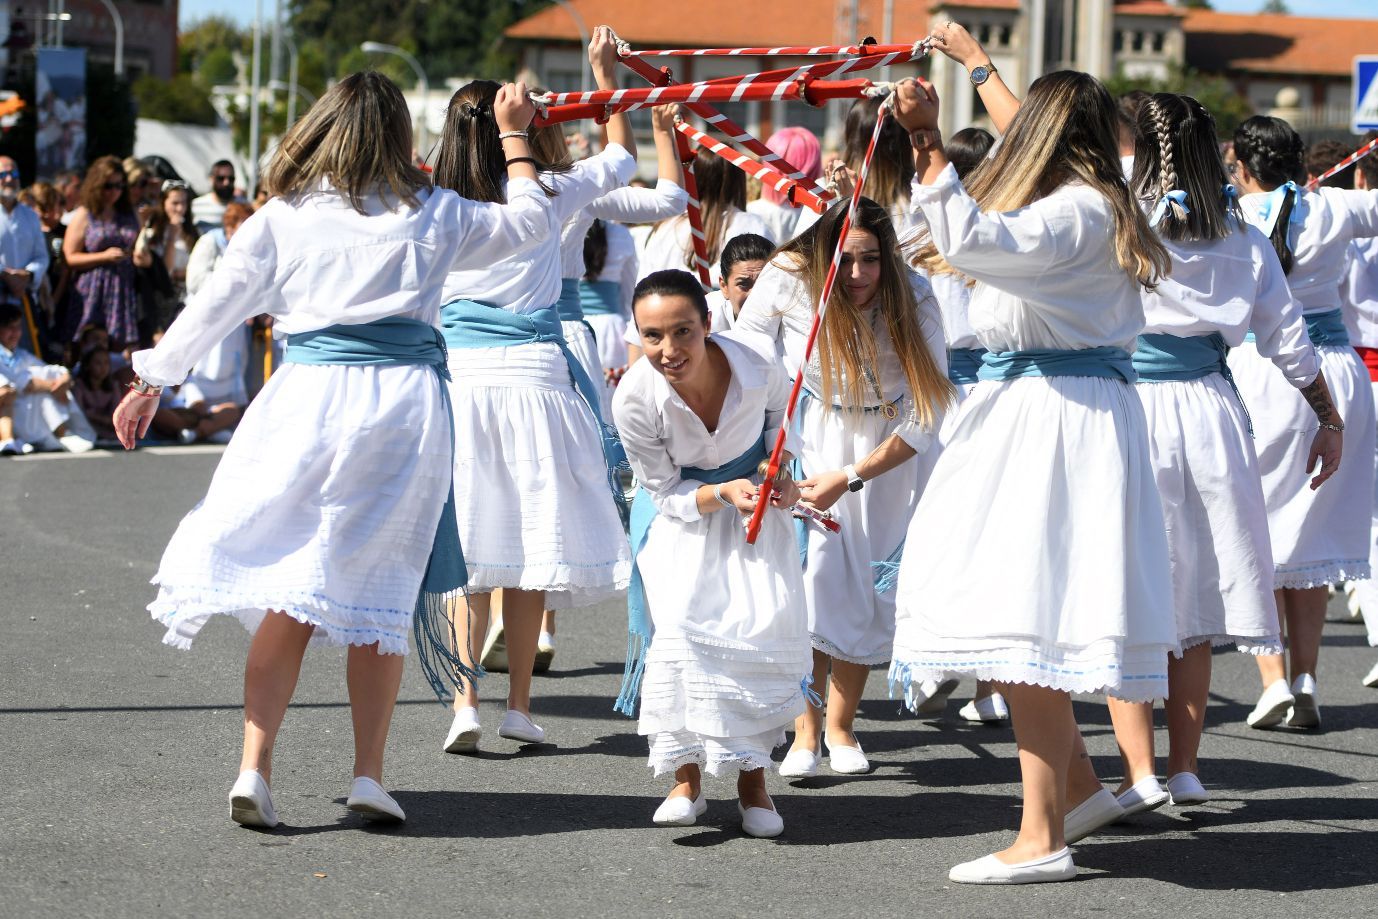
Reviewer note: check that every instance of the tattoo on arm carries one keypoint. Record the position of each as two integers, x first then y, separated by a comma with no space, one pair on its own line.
1317,395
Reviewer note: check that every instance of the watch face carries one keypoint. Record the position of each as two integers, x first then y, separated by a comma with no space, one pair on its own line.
980,75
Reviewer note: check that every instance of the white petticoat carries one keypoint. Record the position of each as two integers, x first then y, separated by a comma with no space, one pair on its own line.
1319,537
585,350
1217,528
848,619
323,507
610,330
1367,590
724,671
531,485
1037,554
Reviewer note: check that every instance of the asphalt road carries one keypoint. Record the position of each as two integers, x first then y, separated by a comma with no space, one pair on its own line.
116,754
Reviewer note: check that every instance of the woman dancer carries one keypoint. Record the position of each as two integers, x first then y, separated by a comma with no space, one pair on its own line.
876,389
532,479
322,513
800,148
722,203
1318,537
728,648
1225,280
1046,478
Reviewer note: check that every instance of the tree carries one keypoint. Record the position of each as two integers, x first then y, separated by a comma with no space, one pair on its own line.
1195,4
1215,93
1278,7
181,100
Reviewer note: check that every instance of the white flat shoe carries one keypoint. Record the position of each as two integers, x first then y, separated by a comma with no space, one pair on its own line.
1272,706
799,764
1144,795
680,811
990,870
1099,810
75,443
848,760
495,651
545,652
990,710
251,804
516,726
761,823
937,693
1305,712
1186,788
368,799
1372,678
465,732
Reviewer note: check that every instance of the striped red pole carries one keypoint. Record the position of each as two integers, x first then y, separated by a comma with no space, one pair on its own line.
768,174
787,51
1343,164
599,104
694,212
767,491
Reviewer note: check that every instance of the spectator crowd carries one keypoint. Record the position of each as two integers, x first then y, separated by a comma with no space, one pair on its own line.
96,266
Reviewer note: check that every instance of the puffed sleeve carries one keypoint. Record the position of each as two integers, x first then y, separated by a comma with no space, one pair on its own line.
777,402
201,262
1003,250
769,300
910,430
243,286
641,205
641,427
1362,206
589,180
1276,321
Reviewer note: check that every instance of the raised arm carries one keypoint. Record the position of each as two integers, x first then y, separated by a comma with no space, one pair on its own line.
956,42
603,58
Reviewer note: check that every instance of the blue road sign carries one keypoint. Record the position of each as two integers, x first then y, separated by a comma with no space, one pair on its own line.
1365,94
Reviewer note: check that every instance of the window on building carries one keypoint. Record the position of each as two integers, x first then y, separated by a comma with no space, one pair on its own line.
1159,38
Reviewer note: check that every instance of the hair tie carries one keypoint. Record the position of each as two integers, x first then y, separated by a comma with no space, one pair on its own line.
1230,192
1272,206
474,111
1176,200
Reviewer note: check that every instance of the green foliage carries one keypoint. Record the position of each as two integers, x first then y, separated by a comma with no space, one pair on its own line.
455,38
1215,93
1195,4
1275,6
217,66
183,100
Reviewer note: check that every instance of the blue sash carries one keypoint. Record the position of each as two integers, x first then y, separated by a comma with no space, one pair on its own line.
1161,358
393,342
963,365
640,628
1106,362
1327,328
469,324
570,305
600,298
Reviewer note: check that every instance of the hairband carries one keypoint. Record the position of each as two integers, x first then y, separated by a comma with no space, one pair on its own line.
1272,206
473,111
1176,200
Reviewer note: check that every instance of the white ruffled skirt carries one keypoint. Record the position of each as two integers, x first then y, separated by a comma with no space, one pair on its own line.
585,350
1319,537
1037,554
324,507
610,330
725,669
848,619
531,485
1367,590
1217,528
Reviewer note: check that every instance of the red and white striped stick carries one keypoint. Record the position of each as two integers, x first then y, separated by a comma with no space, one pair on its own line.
757,169
694,212
598,104
1343,164
735,132
764,496
790,51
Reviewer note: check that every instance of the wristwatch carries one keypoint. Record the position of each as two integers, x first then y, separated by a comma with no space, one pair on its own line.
854,481
981,73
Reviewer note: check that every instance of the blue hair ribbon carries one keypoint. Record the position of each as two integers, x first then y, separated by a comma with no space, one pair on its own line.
1175,199
1272,206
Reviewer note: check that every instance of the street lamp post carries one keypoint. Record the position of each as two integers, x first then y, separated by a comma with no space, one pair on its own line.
585,71
377,47
257,80
119,36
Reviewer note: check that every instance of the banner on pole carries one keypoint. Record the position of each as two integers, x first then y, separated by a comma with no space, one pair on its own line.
60,92
1365,116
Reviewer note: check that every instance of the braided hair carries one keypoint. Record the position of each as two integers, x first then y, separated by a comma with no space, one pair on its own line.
1176,148
1274,153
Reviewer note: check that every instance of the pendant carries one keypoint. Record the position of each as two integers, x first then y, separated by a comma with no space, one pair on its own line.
890,411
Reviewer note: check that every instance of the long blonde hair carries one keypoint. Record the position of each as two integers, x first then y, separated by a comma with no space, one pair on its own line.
358,136
847,345
1065,130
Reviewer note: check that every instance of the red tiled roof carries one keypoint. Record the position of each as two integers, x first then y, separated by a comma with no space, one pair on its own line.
1257,43
1147,8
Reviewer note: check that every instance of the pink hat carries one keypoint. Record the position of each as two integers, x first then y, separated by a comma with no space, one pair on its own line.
800,148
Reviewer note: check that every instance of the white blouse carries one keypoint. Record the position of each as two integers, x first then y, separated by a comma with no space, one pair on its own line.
622,205
1330,218
1360,292
314,261
662,434
1046,273
781,308
529,280
667,244
1231,286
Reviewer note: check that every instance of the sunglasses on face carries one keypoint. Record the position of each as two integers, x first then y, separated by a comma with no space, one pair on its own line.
174,185
9,174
